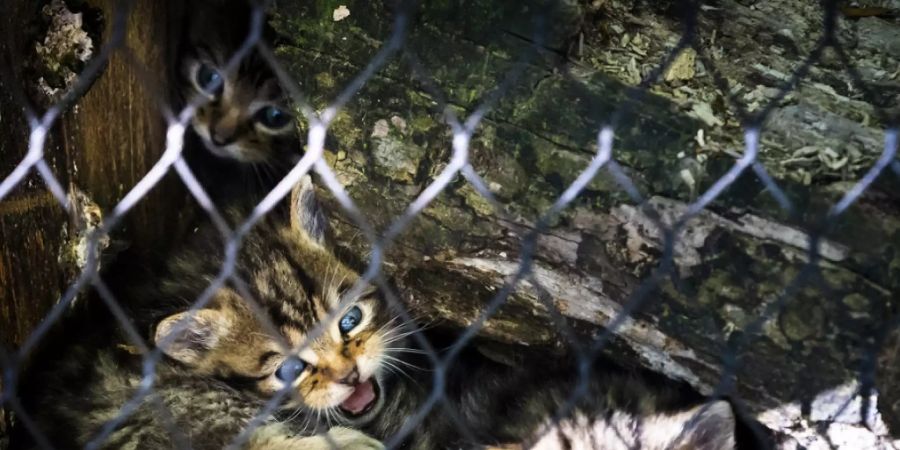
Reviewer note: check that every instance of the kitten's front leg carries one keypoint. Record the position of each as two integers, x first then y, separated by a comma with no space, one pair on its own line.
349,439
277,437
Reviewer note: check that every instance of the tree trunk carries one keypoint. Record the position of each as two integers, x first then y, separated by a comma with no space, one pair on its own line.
97,150
742,259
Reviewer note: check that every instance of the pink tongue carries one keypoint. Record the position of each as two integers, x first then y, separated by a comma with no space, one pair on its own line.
360,399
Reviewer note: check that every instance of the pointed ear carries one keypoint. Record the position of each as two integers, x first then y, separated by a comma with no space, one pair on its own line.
708,427
307,218
192,340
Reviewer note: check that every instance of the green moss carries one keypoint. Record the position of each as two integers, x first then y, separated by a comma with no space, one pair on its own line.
475,201
563,167
502,173
396,159
346,131
776,337
720,286
856,302
324,80
450,216
736,316
802,321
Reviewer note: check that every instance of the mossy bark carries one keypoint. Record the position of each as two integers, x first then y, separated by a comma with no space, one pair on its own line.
731,262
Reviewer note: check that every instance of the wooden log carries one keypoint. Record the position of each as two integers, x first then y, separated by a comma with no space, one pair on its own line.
742,258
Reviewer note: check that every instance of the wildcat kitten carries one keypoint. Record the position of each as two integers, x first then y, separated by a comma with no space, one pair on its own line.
297,281
243,133
218,371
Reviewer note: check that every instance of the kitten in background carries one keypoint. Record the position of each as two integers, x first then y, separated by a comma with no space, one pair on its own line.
243,137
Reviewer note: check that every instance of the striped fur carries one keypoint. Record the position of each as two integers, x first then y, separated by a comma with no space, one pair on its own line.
232,153
218,371
510,406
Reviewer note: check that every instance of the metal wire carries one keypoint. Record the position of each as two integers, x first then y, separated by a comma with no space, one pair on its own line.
457,164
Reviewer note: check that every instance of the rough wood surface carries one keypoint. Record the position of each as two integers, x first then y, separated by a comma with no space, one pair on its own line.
24,240
100,147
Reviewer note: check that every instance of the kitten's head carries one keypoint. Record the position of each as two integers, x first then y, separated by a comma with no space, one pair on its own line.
245,115
297,282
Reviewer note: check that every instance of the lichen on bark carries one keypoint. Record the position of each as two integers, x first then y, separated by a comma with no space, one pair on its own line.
732,263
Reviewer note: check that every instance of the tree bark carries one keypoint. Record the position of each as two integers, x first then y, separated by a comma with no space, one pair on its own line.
97,149
740,257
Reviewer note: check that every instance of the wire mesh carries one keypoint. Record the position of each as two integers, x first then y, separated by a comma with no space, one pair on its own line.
458,165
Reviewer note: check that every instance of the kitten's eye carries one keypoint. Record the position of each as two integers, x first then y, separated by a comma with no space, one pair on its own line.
272,117
350,320
209,80
290,369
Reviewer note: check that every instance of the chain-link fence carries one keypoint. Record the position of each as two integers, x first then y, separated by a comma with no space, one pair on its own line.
811,236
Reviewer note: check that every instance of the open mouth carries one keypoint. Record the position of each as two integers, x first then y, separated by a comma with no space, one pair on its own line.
362,399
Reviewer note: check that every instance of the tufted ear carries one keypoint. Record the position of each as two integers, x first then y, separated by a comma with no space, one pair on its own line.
707,427
190,342
307,219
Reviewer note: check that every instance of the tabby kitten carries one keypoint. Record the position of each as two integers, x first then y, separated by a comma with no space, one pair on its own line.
243,134
220,369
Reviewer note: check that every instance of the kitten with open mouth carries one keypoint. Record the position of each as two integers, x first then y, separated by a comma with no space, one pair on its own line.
223,362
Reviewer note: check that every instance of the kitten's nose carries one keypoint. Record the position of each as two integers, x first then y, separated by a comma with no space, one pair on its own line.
222,138
351,378
223,132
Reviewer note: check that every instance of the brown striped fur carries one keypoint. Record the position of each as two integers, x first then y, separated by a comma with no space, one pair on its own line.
226,122
218,367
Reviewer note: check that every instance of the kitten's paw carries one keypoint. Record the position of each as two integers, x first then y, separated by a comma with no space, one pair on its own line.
277,437
350,439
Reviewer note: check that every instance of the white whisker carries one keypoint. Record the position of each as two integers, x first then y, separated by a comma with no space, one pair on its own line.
406,350
390,367
400,361
396,337
386,324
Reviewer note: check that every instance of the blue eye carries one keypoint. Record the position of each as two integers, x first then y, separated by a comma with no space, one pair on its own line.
272,117
209,80
290,369
350,320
